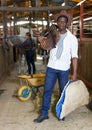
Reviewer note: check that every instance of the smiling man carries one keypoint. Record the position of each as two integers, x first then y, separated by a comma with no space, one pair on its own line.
58,68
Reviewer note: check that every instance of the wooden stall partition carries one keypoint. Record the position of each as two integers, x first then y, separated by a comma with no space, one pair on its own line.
85,62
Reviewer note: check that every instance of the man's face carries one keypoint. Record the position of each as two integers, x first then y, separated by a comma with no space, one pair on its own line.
62,23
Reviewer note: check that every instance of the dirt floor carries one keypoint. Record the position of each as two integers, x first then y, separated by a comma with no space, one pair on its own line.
18,115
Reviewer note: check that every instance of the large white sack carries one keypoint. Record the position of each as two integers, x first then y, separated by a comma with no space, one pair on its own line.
74,95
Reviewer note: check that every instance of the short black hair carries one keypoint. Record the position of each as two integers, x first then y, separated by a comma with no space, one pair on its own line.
28,34
64,17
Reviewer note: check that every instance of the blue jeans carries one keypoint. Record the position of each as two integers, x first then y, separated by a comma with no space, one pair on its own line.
30,61
51,77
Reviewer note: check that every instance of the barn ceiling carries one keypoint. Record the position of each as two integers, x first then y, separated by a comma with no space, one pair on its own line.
37,9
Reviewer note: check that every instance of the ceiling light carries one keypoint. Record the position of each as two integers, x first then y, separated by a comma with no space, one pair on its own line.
81,2
63,4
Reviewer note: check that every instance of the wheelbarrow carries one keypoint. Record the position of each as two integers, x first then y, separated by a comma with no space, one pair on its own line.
33,83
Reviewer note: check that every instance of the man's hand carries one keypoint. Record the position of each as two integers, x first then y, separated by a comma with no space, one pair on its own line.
43,42
10,43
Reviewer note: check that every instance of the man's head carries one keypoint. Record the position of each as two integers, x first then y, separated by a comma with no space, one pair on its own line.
63,20
64,13
28,34
64,17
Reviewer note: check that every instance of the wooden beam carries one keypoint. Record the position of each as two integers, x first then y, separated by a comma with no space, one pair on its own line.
14,1
76,0
22,9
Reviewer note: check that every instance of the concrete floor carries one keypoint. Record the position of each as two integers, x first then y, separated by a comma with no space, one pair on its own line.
18,115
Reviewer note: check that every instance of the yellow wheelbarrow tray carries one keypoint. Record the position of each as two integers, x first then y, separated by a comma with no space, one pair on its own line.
33,83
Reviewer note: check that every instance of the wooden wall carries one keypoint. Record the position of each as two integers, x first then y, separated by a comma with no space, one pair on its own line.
85,60
6,60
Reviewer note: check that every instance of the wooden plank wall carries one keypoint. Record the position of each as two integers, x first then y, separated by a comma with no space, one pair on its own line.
85,61
2,61
6,61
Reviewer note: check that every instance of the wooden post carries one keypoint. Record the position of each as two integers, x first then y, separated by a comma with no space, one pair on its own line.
5,33
4,15
81,19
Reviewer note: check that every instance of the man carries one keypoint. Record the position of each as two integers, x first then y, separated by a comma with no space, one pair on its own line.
29,48
60,59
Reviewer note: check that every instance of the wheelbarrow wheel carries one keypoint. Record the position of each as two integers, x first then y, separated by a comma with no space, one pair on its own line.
24,93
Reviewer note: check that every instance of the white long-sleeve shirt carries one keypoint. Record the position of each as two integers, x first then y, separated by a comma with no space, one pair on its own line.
70,50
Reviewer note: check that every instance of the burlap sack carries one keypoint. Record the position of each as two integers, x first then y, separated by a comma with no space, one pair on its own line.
74,95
